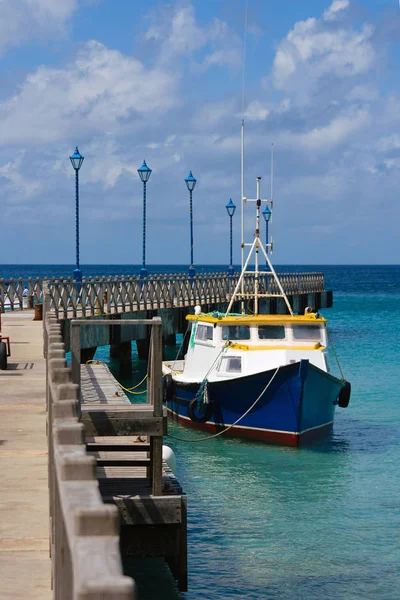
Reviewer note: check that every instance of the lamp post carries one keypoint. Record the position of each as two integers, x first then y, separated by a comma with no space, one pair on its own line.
266,213
76,161
191,183
144,174
230,208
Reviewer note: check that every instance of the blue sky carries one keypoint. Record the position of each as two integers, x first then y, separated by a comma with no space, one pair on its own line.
127,80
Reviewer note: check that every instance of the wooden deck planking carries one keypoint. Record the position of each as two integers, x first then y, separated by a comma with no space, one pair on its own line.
24,540
98,386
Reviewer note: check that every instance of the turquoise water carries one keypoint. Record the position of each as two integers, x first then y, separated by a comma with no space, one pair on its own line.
319,522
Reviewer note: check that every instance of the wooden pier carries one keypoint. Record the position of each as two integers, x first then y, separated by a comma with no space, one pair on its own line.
24,506
116,449
106,295
99,474
170,297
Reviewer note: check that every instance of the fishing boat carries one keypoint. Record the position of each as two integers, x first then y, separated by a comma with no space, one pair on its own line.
256,376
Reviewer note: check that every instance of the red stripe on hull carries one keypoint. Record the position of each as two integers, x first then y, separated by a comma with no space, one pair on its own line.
279,438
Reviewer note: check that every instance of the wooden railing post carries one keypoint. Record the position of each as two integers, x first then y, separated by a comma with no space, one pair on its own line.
76,352
155,399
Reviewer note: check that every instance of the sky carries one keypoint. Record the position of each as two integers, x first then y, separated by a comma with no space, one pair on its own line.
162,81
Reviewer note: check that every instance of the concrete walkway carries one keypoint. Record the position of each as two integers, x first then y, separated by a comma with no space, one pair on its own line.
24,520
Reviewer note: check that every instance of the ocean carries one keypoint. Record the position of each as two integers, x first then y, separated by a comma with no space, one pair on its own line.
273,523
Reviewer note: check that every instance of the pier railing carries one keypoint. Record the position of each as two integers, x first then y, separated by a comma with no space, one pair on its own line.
106,295
84,532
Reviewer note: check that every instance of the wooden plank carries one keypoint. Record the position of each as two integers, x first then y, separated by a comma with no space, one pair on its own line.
117,446
137,411
113,423
120,459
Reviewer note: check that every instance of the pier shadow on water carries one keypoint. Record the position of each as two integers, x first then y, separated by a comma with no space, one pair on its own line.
153,578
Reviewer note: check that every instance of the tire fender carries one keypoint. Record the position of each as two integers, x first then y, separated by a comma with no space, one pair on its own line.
168,388
344,396
197,417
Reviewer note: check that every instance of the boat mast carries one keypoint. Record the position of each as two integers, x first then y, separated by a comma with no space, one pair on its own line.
242,205
257,236
242,169
256,246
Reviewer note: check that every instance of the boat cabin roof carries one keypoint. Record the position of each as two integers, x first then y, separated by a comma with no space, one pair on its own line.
310,318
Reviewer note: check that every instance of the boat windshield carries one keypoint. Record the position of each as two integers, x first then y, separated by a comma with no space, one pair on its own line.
235,332
204,333
307,332
271,332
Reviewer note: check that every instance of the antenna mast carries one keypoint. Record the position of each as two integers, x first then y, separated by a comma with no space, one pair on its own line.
242,198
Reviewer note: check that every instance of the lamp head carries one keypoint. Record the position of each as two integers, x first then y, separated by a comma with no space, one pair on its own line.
190,182
144,172
230,207
76,159
266,213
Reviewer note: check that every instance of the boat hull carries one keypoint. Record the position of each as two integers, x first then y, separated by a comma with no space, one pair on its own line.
297,406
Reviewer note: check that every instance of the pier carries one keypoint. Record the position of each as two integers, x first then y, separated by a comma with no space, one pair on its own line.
25,568
95,490
170,297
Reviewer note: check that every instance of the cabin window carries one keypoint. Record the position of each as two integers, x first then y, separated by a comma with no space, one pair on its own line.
204,333
271,332
235,332
231,364
307,332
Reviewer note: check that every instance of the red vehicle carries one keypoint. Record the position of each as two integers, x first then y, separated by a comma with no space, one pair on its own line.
5,350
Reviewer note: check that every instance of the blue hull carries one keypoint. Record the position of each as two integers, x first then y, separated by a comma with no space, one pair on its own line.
299,404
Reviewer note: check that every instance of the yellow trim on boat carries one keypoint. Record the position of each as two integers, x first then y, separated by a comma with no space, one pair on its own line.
247,347
257,319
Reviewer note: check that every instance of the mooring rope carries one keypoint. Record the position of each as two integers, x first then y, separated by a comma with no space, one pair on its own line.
336,356
129,390
210,437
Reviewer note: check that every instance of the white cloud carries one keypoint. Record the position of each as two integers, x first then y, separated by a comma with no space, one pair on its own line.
212,114
257,111
365,93
336,7
176,32
328,136
101,91
21,20
390,142
312,50
18,186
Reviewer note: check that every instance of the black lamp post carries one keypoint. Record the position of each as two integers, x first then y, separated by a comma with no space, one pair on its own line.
76,161
230,208
144,174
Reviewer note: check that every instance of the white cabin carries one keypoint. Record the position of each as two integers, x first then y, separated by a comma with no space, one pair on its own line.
224,347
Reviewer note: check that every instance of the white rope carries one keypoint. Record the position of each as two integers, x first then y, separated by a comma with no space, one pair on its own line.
210,437
336,356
